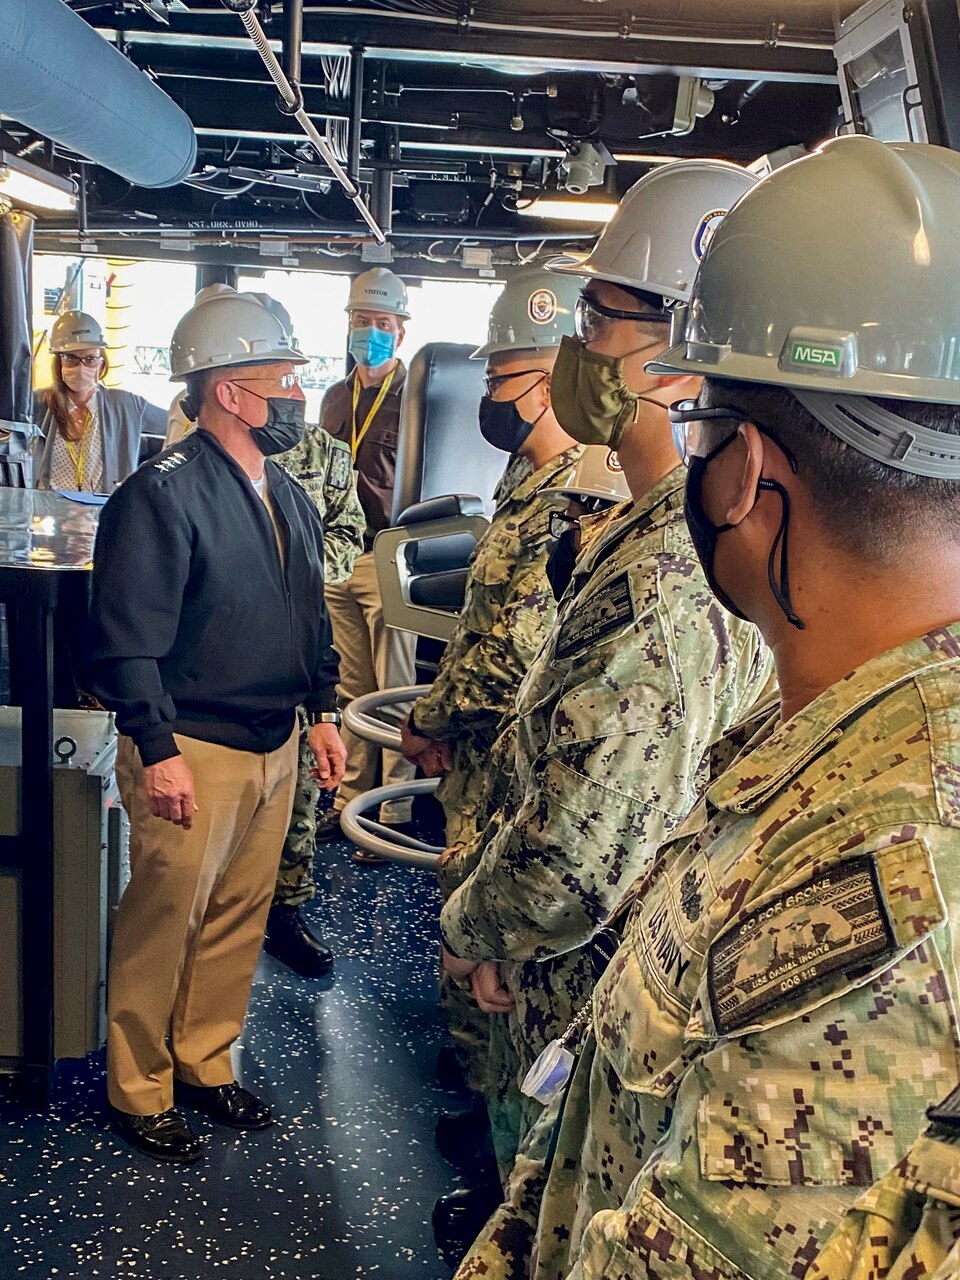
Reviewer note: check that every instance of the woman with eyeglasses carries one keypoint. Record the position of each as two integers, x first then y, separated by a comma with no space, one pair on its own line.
90,434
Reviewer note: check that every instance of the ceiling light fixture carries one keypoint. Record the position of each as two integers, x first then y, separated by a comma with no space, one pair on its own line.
25,184
555,208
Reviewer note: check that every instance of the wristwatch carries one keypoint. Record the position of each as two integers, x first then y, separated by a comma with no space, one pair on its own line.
324,717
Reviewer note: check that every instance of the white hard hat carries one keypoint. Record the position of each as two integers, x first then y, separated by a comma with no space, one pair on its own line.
598,474
656,239
534,311
75,331
213,291
276,309
227,330
379,290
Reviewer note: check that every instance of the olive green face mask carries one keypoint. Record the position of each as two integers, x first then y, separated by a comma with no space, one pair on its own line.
589,396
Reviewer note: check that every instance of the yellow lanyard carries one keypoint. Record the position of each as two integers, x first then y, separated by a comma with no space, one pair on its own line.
78,457
357,440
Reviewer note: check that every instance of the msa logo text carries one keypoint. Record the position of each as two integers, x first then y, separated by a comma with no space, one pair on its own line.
822,357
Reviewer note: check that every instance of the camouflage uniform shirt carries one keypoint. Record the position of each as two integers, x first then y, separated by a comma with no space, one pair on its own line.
507,610
642,671
907,1226
325,469
781,1009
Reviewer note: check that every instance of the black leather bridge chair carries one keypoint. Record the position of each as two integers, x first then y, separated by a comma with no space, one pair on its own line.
422,560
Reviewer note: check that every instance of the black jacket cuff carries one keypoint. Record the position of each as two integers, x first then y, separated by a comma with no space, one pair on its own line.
323,700
156,748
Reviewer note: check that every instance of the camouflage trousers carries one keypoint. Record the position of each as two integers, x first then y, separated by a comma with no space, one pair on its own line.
463,790
295,877
550,1198
548,995
462,793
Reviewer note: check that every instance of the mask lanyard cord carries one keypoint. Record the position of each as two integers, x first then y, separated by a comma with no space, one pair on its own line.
355,439
78,458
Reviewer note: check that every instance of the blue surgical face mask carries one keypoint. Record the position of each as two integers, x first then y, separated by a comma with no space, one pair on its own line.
371,347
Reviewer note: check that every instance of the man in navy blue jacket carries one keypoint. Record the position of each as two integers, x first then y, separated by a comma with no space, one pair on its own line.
208,631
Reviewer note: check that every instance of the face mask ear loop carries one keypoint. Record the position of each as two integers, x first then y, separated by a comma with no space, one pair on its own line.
781,589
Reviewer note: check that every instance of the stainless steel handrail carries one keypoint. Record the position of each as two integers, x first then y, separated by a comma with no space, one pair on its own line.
358,717
393,845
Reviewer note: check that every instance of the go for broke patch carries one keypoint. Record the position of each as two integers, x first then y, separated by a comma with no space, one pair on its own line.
835,922
605,613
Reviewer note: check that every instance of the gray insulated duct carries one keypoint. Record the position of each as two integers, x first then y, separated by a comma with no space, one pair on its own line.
61,79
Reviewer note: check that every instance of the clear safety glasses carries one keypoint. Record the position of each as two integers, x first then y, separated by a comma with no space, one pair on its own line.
593,318
494,381
71,361
286,381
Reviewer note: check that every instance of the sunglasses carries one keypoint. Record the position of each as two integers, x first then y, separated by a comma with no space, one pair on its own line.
70,361
592,318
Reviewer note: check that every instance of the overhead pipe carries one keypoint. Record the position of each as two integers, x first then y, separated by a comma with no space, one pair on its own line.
381,190
356,114
292,39
63,80
293,100
333,231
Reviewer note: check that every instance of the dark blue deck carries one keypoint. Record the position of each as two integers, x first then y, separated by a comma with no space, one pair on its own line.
341,1187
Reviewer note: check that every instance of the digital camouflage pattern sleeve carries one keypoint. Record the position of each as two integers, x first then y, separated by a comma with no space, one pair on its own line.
907,1225
324,468
507,611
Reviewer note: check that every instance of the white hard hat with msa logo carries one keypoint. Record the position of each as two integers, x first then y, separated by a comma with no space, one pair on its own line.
75,331
660,231
228,329
839,278
379,290
534,311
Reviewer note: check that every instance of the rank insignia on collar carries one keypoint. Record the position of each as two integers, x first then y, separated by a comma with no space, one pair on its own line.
690,897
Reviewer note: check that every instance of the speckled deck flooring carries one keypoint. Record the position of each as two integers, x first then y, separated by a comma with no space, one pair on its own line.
341,1187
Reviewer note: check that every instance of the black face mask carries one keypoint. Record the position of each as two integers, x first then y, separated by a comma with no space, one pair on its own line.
704,533
503,425
283,429
562,561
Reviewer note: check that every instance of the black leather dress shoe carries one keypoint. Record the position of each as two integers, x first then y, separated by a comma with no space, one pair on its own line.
459,1217
328,827
462,1135
290,941
450,1070
228,1104
165,1136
